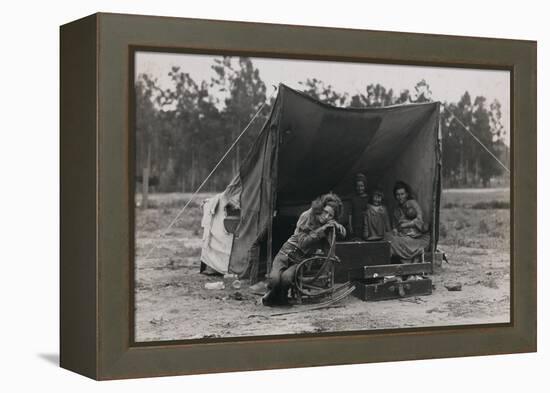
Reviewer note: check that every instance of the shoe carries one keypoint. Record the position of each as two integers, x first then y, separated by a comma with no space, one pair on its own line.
270,298
283,298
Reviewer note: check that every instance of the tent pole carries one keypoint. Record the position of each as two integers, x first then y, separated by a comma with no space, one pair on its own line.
269,260
273,187
437,194
273,190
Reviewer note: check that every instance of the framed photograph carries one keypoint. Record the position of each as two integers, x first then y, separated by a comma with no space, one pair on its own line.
243,196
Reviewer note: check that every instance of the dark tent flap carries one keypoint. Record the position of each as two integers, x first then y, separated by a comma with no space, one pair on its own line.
319,145
406,148
256,199
417,164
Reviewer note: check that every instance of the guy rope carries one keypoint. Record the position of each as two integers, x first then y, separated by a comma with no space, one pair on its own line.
165,231
453,116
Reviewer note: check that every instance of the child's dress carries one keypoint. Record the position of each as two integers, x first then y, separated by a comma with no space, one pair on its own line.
376,222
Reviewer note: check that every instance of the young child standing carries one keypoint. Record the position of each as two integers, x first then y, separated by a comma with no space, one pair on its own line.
376,218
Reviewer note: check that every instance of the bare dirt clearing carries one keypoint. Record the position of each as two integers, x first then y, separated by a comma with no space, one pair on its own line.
173,304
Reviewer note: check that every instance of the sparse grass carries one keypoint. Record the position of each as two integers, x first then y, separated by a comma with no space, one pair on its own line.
475,218
483,227
173,200
491,205
468,197
463,227
442,231
164,208
451,205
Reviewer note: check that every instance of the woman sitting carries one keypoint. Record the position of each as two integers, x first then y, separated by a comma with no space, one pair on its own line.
408,238
310,235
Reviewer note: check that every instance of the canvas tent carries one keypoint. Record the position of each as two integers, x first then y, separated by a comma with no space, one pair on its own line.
307,148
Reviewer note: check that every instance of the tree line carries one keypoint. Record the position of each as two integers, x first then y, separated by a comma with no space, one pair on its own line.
182,131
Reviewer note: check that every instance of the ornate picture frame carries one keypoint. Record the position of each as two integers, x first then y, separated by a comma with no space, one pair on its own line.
97,196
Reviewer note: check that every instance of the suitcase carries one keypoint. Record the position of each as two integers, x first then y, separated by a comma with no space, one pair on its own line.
354,256
393,289
403,269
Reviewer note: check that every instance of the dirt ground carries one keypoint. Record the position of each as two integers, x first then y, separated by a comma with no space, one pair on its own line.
173,304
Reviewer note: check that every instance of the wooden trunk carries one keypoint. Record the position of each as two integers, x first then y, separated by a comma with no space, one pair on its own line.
395,270
354,256
392,289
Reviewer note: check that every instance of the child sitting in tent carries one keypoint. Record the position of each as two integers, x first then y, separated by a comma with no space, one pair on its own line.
410,214
376,218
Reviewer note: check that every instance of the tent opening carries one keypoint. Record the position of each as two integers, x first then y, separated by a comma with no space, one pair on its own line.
308,148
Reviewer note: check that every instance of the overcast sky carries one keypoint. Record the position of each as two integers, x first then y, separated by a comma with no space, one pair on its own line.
447,84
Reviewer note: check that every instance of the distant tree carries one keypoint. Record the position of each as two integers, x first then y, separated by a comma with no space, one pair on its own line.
451,145
146,91
210,129
499,132
486,166
495,119
192,122
422,92
245,93
466,160
375,95
403,98
357,101
323,92
455,143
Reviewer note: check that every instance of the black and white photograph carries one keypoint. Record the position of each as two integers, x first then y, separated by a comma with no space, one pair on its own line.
284,196
308,196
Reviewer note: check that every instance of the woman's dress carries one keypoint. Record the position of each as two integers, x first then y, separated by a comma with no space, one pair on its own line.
359,204
408,243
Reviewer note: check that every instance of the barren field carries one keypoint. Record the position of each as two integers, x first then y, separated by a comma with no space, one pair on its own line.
173,304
